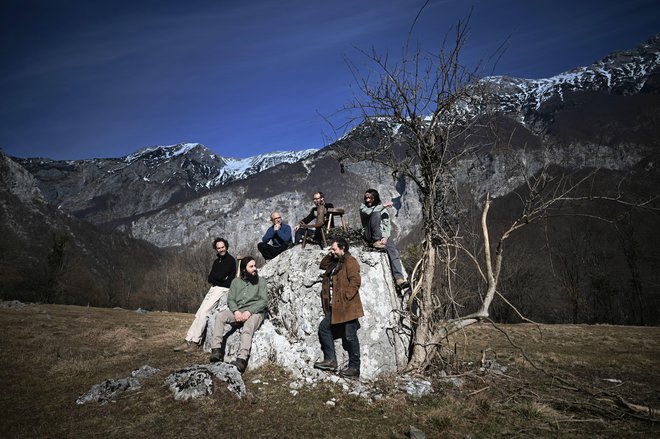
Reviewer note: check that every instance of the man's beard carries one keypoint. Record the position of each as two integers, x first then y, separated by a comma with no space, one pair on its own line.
252,278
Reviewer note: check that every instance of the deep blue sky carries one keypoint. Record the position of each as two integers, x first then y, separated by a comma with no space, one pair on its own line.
94,78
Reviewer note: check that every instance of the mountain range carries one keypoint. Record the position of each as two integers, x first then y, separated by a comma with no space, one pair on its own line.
109,191
179,197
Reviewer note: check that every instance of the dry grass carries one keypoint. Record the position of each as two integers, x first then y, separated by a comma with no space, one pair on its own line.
51,354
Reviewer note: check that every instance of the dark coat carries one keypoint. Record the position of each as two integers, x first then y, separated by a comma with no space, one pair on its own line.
346,303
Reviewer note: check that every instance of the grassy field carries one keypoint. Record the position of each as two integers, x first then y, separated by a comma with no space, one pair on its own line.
561,381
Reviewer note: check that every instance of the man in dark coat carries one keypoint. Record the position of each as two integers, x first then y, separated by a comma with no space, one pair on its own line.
340,298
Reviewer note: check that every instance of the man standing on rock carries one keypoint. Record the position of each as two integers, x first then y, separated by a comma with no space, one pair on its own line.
340,298
279,233
223,271
377,230
247,302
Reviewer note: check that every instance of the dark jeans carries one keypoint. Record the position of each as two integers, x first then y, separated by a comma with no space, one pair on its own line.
349,339
268,251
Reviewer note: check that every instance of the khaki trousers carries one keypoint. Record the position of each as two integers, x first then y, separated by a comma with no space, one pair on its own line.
215,298
249,327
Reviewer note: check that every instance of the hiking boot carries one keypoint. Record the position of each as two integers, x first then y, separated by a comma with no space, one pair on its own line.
216,355
184,346
402,284
350,372
192,347
326,365
240,364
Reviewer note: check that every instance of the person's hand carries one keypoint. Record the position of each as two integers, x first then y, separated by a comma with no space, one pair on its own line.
388,204
295,229
276,227
246,315
237,316
383,241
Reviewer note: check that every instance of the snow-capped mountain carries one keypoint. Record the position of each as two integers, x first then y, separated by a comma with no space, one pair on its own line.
103,191
620,73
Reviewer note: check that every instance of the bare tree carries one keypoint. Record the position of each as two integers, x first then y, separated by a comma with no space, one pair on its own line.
418,98
414,112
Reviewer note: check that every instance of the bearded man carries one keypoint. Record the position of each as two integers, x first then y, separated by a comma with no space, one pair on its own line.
340,298
247,303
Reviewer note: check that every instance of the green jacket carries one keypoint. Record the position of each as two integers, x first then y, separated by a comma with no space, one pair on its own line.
244,296
379,209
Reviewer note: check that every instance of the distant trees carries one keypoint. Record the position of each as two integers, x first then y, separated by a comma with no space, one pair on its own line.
55,268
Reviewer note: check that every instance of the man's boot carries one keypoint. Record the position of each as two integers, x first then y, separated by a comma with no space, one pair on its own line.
240,364
216,355
185,345
326,365
350,372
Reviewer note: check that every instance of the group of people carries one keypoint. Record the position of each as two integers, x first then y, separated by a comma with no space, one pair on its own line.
279,237
246,297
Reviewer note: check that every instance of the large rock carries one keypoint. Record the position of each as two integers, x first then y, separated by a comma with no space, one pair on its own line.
289,338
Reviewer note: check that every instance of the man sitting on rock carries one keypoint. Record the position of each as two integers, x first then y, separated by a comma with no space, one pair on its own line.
340,298
247,302
318,214
377,230
223,271
279,233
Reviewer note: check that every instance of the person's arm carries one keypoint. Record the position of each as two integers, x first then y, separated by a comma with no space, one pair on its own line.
270,233
308,218
233,292
212,280
225,271
285,233
365,213
354,279
325,262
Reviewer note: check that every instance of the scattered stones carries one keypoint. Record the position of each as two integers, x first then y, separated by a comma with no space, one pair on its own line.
12,304
145,371
415,387
110,390
415,433
493,367
197,381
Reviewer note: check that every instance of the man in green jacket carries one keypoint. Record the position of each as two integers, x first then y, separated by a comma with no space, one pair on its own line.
340,298
247,302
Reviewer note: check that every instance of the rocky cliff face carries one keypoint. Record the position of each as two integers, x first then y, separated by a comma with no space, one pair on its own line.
111,191
31,270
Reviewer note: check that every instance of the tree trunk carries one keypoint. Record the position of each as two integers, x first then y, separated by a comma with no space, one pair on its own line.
423,349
